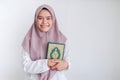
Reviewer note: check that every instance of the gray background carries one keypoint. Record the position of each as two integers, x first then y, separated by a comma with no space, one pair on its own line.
92,27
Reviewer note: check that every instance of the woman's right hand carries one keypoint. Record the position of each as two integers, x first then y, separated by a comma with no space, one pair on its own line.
51,62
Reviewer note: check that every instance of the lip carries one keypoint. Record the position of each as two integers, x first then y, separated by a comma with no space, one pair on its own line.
44,26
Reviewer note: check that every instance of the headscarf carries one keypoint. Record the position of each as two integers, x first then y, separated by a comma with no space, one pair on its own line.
35,41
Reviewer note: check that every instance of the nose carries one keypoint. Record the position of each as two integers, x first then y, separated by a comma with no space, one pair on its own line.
44,21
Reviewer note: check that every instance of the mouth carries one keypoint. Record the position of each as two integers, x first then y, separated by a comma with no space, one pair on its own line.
44,26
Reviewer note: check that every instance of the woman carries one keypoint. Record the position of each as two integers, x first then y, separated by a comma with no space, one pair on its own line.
44,30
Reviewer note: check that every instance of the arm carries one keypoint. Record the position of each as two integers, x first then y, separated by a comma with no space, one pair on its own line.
34,67
65,63
67,55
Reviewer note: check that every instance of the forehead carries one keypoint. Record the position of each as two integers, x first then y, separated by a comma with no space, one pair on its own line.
44,12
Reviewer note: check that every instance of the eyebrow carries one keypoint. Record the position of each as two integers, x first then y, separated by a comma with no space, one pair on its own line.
46,16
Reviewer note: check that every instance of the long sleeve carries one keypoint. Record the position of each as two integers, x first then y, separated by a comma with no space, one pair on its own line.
39,66
67,55
34,67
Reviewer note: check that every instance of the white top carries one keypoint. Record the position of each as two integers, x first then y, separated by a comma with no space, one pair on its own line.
32,68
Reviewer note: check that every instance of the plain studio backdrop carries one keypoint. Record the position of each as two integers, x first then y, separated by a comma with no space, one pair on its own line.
92,27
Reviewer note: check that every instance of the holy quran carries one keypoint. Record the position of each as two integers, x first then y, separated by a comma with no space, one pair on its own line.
55,50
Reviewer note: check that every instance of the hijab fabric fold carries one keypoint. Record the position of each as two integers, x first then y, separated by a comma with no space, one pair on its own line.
35,41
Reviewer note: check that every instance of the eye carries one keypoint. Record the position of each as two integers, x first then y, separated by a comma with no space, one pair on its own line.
48,18
40,18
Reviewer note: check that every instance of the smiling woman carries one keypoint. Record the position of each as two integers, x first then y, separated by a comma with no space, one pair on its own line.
44,30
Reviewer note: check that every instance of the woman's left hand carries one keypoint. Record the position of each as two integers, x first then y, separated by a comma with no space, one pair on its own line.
61,65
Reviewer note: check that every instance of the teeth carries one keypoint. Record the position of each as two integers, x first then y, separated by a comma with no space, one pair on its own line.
44,26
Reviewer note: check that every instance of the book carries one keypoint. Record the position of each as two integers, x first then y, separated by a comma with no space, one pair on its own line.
55,50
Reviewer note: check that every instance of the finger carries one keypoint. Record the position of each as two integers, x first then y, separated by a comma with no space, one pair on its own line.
53,67
58,60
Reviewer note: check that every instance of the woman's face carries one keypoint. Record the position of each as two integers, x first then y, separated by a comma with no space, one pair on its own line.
44,20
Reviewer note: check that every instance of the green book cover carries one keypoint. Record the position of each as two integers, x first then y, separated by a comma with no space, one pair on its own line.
55,50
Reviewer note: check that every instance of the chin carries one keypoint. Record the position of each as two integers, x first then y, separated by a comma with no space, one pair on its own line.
44,30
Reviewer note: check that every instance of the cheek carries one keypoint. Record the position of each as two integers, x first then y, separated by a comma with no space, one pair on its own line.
51,23
38,23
